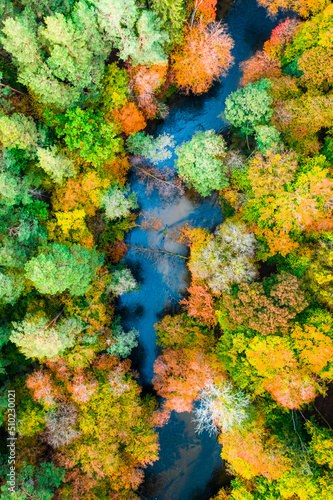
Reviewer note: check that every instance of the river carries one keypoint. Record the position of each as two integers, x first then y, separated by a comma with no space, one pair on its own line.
190,466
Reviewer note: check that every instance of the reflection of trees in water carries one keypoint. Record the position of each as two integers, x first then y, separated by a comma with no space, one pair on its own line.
162,179
152,253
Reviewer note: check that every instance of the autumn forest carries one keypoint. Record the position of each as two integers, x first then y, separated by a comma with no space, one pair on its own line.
241,338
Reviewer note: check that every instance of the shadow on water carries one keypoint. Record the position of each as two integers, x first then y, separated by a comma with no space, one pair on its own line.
190,466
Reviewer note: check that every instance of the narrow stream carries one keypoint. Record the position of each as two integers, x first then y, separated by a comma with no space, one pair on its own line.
190,466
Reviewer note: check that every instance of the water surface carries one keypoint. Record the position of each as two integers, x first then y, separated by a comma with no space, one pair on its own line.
190,466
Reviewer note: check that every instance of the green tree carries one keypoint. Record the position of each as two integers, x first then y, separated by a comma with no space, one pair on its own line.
57,165
200,162
86,132
249,107
62,61
116,204
138,37
59,268
155,149
122,281
122,342
18,131
11,287
34,483
38,337
173,14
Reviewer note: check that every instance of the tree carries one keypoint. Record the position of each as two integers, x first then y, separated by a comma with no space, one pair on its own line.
281,375
62,61
60,425
11,287
200,304
181,375
271,172
280,39
35,483
38,337
59,268
115,89
226,259
86,132
154,149
136,36
267,313
200,162
282,217
122,342
122,281
267,138
205,10
144,83
81,193
203,57
304,7
319,274
172,14
130,118
70,227
182,331
18,131
116,204
56,165
260,66
221,408
251,452
246,108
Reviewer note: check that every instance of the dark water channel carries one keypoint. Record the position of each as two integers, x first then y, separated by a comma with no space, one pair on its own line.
190,466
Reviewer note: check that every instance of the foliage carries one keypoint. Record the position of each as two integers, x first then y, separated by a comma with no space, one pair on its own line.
116,204
249,107
62,60
144,84
304,7
35,483
86,132
11,287
266,313
154,149
59,268
200,304
200,162
226,259
123,342
38,337
115,91
56,165
130,118
122,281
136,36
172,13
221,407
18,131
181,374
202,58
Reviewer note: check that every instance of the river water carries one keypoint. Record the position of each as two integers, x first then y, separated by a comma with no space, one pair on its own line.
190,466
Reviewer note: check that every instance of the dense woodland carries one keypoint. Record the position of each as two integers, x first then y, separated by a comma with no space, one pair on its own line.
252,350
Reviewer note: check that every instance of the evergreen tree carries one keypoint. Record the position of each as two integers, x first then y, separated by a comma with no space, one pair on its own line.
59,268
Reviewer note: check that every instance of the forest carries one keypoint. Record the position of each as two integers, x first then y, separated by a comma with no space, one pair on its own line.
249,347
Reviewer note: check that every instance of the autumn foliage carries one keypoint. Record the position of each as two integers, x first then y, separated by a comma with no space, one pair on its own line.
203,57
131,118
